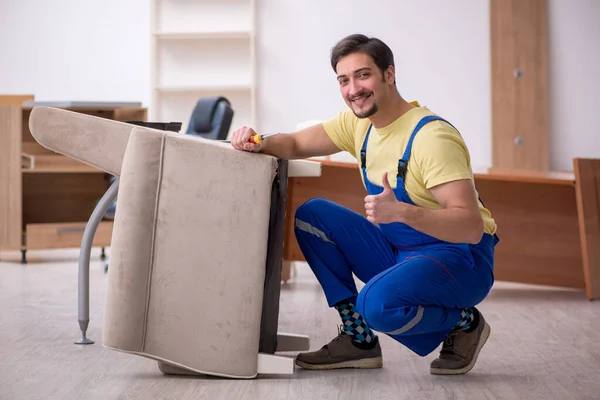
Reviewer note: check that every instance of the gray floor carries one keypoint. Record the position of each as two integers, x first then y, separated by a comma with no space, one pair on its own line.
545,344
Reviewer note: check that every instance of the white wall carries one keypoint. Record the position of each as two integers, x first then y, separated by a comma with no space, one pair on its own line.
574,69
99,50
75,50
441,52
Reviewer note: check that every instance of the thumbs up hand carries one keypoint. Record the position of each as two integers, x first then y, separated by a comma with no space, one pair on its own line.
383,208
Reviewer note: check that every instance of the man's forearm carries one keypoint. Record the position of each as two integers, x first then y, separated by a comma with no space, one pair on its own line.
454,225
309,142
281,146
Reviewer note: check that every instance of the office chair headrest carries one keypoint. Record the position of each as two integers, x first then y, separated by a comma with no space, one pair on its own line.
204,112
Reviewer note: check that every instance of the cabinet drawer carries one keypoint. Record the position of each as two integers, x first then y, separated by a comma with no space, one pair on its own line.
65,235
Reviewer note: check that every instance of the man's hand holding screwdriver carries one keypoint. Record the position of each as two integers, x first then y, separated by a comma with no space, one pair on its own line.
247,139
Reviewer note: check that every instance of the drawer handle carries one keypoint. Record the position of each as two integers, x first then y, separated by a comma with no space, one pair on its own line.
71,229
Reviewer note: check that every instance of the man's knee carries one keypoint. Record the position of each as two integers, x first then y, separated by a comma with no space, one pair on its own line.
312,216
372,311
385,315
313,207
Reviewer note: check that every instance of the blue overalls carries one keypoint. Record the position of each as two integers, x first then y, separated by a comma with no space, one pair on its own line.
415,284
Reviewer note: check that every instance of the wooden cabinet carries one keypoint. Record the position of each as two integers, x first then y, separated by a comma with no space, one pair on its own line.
47,198
519,75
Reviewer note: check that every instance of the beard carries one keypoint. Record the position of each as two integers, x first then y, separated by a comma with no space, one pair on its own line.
366,113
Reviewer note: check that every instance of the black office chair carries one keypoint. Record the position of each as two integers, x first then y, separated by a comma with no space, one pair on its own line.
211,118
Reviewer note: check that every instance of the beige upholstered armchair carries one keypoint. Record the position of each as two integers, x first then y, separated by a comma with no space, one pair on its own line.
196,247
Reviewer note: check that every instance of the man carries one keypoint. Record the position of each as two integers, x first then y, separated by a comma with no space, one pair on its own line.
424,250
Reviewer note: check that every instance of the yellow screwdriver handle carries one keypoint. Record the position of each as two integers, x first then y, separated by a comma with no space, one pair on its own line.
255,139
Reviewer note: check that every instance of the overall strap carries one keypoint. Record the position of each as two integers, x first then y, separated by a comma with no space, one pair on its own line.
363,152
403,162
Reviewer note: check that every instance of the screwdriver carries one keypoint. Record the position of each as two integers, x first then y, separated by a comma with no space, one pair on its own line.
256,138
259,138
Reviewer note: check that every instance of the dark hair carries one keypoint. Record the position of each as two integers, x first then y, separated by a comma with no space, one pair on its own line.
380,52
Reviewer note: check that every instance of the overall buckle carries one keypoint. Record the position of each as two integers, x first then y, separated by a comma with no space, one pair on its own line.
402,169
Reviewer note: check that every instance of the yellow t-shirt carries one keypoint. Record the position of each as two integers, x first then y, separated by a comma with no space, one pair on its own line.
438,154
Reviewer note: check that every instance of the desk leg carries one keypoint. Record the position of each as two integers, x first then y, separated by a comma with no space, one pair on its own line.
288,236
587,181
286,270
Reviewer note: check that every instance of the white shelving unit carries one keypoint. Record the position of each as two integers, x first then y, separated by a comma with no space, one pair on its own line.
202,48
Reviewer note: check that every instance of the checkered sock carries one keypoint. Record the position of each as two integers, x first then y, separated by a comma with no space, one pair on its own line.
468,319
354,324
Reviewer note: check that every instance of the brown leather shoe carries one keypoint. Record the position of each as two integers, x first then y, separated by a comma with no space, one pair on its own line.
460,350
341,353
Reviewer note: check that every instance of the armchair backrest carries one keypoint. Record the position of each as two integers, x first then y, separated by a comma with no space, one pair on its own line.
211,118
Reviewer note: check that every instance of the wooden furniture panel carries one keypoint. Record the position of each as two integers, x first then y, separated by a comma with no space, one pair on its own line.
519,62
61,197
587,172
525,176
42,163
15,99
10,177
64,235
538,230
131,114
34,148
539,214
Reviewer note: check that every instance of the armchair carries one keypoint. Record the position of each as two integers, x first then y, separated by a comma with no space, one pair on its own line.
176,292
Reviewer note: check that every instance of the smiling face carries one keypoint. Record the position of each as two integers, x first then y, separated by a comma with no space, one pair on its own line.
364,88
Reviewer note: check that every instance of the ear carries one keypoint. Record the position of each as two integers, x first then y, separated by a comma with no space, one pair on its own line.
390,75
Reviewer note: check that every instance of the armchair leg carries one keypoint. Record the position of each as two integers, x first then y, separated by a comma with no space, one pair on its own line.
292,342
269,364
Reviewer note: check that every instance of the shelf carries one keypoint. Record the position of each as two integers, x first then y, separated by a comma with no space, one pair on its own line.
62,170
53,163
205,88
202,49
199,63
217,15
65,235
202,35
178,106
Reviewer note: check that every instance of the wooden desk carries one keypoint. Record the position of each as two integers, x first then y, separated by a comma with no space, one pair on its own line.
47,198
548,223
